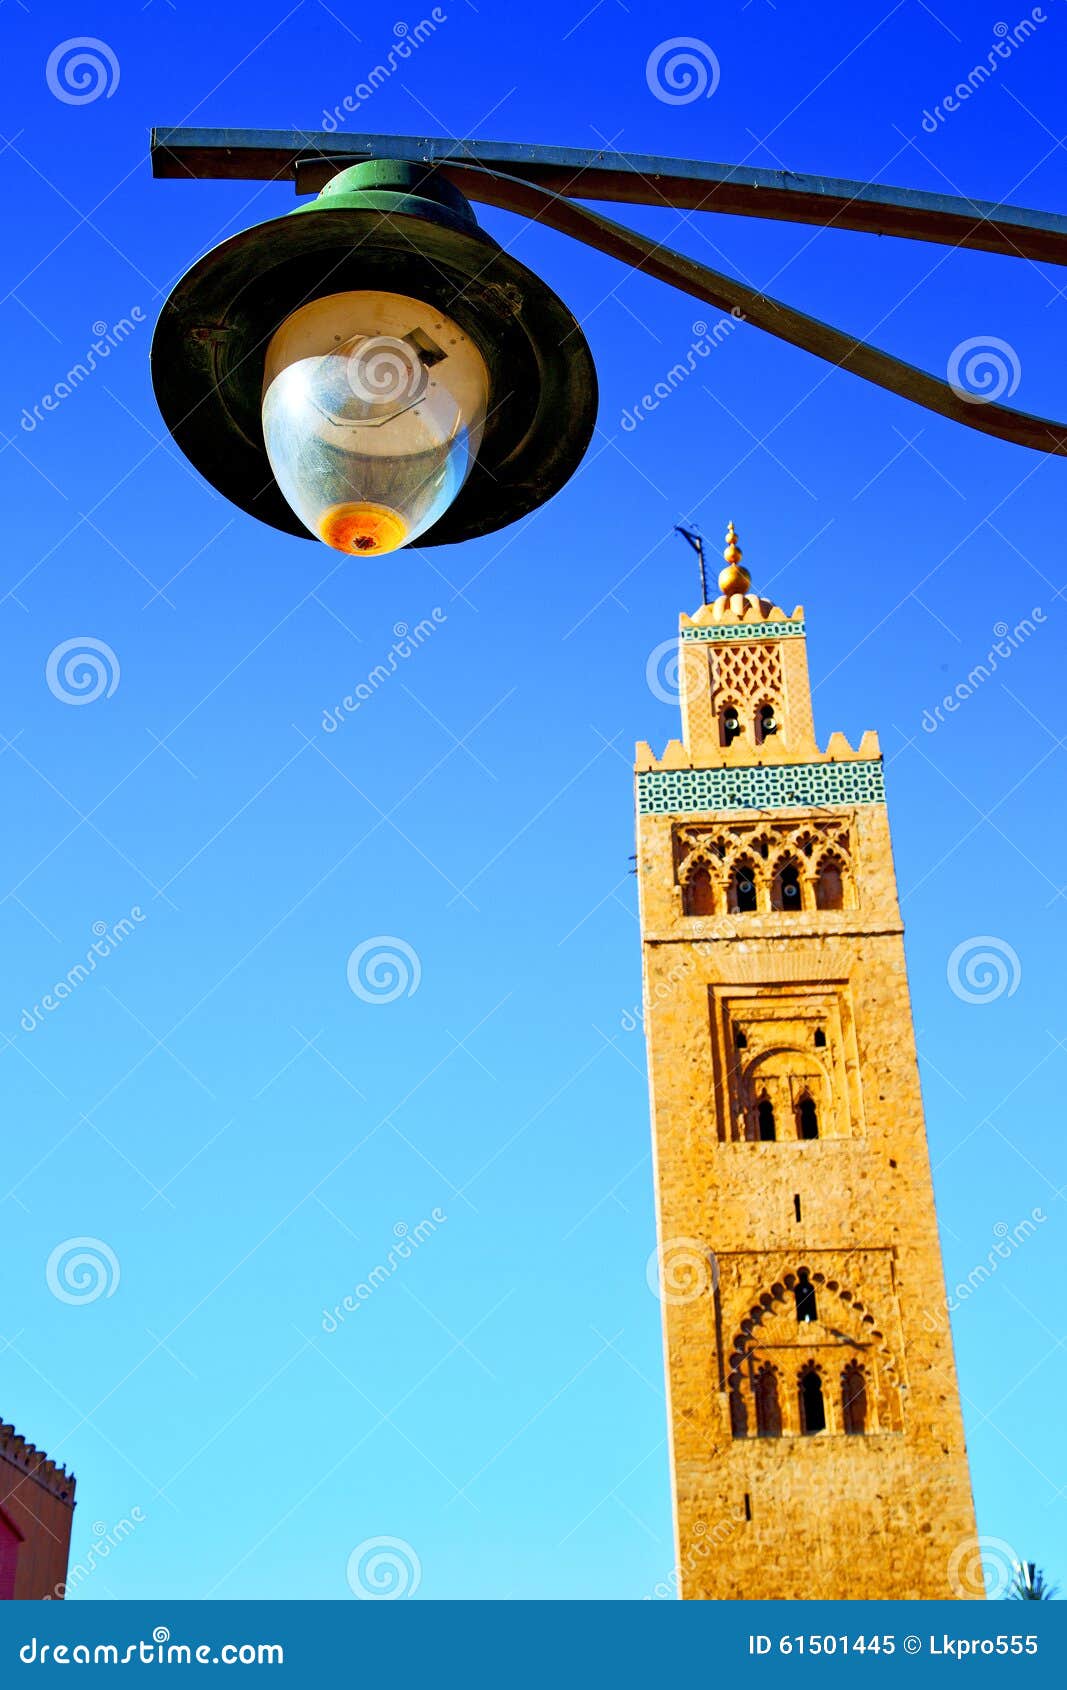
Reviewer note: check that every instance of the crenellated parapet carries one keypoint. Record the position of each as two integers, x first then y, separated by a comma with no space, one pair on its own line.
36,1464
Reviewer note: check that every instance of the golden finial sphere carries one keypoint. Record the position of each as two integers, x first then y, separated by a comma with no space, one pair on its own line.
735,577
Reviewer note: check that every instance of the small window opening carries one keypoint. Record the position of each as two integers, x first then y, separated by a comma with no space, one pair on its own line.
767,723
804,1294
731,724
830,887
854,1399
698,897
796,1205
768,1408
742,892
808,1118
740,1039
787,888
765,1115
820,1038
812,1407
748,1506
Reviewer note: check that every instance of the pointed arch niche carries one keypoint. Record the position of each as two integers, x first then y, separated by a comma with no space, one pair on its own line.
790,1044
834,1375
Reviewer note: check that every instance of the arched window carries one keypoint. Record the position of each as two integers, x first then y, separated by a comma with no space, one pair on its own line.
820,1038
742,893
807,1118
812,1407
768,1407
765,1117
785,892
854,1398
830,885
738,1414
698,897
804,1294
729,724
766,723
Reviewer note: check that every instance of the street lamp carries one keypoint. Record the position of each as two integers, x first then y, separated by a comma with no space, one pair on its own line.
373,368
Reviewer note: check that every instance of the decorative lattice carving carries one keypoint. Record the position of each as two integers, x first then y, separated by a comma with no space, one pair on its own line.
748,673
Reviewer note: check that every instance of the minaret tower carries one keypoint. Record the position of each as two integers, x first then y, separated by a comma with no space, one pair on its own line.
816,1441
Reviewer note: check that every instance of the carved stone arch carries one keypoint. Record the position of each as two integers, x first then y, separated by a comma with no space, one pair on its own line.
787,880
728,710
783,1073
775,1304
698,878
832,881
743,892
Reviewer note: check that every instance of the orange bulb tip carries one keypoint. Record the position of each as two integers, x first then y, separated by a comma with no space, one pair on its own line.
362,529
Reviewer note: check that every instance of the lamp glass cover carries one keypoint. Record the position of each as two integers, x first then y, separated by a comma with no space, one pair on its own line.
373,411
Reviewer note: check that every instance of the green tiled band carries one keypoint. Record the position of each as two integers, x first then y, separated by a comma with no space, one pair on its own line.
686,792
745,631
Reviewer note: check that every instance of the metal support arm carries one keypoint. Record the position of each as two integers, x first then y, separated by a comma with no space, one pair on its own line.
542,182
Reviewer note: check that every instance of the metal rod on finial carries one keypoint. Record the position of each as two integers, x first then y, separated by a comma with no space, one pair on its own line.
697,543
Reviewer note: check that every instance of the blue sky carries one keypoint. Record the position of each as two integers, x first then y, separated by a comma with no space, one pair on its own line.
247,1135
